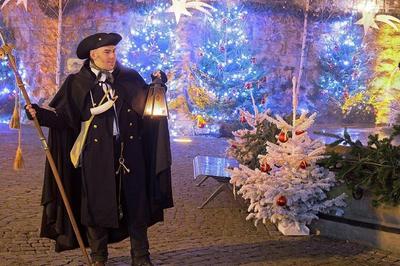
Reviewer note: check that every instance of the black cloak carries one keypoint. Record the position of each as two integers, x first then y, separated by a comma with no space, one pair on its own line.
146,188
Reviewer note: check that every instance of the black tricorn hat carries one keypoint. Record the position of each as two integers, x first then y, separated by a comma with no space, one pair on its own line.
96,41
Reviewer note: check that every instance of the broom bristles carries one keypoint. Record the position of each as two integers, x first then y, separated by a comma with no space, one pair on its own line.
18,161
15,119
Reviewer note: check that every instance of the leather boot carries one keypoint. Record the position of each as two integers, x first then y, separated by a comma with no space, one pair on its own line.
142,261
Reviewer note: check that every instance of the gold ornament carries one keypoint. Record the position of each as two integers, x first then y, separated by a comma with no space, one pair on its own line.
201,122
201,97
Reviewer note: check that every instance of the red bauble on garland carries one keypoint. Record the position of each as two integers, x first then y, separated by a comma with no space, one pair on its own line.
303,165
243,119
266,168
283,137
299,132
281,201
233,146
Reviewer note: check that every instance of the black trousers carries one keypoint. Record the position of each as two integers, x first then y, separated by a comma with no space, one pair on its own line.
98,236
98,239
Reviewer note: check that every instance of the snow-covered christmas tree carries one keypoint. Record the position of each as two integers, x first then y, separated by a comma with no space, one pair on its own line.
289,188
248,143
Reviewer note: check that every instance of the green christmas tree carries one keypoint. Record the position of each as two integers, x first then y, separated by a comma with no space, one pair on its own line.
227,69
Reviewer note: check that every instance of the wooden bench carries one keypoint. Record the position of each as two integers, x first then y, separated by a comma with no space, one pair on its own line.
208,166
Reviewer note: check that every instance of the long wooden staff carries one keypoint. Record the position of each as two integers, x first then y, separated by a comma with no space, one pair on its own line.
6,51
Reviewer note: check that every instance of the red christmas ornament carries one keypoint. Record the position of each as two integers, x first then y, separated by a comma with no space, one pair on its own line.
282,137
222,48
281,201
263,79
266,168
263,100
233,146
243,119
248,85
303,165
201,122
345,95
299,132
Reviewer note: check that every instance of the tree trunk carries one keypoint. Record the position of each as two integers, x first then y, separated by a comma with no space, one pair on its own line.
59,35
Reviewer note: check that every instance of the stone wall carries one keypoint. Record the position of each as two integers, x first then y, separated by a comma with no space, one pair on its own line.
35,32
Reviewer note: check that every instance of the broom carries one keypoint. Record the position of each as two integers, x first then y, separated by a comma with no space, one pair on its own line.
15,123
6,51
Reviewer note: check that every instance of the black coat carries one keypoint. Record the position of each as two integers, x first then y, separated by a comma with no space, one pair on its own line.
93,188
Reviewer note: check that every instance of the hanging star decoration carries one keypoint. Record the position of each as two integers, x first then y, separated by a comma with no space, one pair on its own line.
180,7
369,19
25,2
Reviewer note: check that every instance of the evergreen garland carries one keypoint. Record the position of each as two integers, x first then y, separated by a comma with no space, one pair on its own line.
374,167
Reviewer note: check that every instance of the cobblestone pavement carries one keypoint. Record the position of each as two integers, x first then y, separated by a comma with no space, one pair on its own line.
215,235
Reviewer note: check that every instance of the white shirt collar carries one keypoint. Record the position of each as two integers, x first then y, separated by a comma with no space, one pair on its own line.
96,72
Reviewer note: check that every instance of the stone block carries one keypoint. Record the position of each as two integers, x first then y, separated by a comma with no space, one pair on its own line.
377,227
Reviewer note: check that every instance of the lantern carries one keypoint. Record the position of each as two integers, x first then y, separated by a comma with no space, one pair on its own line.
156,103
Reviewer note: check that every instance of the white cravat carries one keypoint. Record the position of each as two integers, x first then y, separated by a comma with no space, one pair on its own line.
108,87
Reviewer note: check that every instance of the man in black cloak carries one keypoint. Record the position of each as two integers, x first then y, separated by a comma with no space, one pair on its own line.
121,180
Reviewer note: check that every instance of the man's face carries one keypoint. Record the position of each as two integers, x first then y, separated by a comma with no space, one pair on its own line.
104,57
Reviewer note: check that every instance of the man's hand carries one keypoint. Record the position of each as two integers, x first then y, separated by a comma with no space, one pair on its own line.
31,111
159,74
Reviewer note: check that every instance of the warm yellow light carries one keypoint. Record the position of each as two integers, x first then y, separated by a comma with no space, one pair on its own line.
183,140
385,84
156,104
